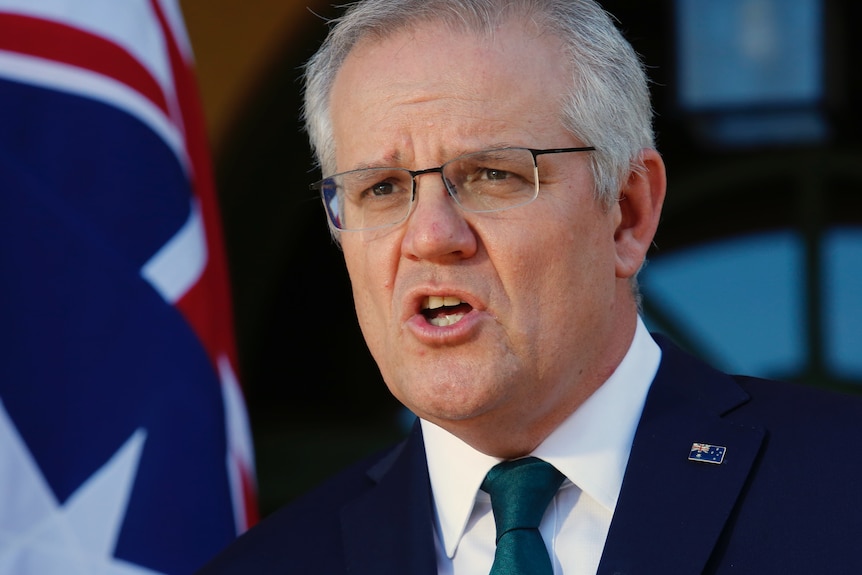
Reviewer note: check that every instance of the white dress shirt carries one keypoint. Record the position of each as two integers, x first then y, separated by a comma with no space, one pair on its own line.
590,448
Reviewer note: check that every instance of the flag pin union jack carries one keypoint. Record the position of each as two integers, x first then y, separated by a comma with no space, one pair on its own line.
707,453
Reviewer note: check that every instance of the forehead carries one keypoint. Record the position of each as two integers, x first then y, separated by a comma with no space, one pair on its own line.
435,77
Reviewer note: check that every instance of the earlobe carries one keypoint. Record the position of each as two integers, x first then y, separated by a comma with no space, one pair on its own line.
640,205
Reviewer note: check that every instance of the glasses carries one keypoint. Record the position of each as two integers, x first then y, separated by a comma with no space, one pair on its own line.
479,182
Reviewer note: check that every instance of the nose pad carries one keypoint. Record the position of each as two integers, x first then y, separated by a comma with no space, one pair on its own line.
451,190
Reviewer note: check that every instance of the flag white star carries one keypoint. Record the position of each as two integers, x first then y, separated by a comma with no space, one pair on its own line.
39,536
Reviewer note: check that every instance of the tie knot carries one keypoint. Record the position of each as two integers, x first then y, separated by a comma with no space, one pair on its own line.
520,491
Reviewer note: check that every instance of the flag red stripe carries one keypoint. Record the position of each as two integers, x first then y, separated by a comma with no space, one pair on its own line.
207,306
249,492
61,43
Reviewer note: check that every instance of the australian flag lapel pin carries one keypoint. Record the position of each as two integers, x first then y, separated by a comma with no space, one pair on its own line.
707,453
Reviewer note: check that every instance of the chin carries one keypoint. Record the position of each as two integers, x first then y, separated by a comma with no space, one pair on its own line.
446,403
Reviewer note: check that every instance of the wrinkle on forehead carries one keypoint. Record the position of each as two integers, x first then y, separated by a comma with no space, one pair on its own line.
470,94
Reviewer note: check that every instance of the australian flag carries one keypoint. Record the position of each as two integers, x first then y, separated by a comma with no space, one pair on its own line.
707,453
124,442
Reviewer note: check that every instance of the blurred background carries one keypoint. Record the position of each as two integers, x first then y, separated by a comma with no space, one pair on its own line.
757,266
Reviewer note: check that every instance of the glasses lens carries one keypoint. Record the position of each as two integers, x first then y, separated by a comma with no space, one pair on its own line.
370,198
492,180
329,192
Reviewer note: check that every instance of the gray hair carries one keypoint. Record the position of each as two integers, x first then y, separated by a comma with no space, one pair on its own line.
608,106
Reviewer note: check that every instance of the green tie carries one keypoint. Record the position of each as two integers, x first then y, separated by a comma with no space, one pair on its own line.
520,491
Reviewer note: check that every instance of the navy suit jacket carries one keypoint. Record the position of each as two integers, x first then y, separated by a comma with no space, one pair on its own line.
786,499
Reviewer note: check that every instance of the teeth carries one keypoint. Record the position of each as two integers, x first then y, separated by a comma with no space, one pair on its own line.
446,320
436,301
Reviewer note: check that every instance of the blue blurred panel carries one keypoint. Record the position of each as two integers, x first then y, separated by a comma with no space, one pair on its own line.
843,287
742,299
749,53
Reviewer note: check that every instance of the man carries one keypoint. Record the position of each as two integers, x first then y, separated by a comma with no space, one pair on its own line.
492,179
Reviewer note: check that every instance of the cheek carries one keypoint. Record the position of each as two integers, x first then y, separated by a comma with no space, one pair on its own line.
371,285
570,270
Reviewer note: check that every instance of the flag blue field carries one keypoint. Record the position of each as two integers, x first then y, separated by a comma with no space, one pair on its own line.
124,440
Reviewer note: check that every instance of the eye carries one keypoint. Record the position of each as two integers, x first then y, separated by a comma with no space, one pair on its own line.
377,183
381,189
495,174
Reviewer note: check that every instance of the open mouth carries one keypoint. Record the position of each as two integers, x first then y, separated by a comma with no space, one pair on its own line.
442,311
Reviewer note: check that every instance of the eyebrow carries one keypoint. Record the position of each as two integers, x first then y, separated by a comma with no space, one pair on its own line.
394,160
390,160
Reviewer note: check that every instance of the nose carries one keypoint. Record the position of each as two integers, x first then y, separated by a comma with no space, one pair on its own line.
436,228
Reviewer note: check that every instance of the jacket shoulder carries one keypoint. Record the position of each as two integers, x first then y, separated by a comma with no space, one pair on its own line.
304,536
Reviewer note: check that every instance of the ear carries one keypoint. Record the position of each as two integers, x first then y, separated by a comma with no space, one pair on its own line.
640,204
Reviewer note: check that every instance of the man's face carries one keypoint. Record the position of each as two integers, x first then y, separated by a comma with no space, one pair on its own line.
543,319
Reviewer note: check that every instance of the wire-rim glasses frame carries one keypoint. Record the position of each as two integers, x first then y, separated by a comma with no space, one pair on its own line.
478,182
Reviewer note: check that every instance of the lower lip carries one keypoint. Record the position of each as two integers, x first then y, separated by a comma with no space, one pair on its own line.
454,334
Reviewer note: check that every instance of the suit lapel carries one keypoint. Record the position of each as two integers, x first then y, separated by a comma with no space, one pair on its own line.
671,510
670,513
388,531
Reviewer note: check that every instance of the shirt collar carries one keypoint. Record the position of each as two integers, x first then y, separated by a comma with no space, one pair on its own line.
591,447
